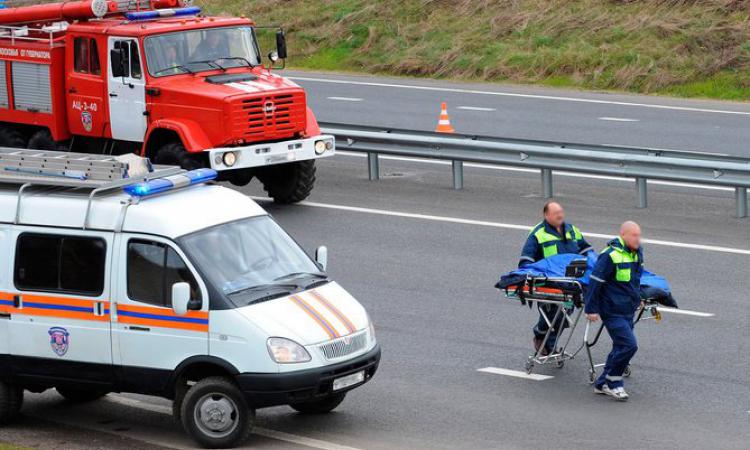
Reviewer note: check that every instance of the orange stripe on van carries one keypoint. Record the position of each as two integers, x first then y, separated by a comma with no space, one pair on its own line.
336,312
316,316
162,323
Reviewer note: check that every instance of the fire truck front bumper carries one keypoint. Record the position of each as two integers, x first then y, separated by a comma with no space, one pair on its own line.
259,155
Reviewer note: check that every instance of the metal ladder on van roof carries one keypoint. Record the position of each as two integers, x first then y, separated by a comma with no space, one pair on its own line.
99,173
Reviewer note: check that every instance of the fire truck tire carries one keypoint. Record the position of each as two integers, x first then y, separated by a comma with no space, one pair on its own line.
11,399
42,140
80,395
289,183
240,177
322,406
215,413
175,154
10,137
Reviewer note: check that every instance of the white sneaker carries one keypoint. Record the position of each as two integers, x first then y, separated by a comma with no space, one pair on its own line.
617,393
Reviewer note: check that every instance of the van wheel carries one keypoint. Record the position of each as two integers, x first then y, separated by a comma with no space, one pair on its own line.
322,406
42,140
80,395
290,182
11,137
11,399
175,154
215,413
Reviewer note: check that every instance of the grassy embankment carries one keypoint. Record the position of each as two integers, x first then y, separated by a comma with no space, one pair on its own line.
694,48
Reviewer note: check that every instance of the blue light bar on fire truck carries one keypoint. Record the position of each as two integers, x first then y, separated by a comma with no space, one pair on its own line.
159,185
159,13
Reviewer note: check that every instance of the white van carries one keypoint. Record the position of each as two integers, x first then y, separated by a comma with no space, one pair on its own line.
165,285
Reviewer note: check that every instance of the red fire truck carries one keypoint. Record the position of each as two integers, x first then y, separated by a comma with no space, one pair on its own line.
157,78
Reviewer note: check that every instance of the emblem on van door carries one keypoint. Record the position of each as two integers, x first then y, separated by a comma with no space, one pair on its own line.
59,338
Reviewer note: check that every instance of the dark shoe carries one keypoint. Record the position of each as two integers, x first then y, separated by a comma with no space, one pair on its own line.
538,345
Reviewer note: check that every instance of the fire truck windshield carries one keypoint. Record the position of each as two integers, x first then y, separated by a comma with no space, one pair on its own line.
200,50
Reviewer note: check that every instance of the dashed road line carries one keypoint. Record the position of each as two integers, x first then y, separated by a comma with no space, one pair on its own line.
519,95
618,119
345,99
476,108
515,373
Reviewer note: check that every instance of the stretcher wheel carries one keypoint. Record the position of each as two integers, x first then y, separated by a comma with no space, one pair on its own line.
529,366
627,371
561,364
592,377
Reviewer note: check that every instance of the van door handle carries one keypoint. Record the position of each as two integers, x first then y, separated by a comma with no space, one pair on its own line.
146,329
17,301
112,94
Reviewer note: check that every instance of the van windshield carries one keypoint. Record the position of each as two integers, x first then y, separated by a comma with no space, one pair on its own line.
251,260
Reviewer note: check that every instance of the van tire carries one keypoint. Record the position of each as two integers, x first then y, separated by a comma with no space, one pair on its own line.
225,398
11,399
11,137
42,140
80,395
322,406
290,182
175,154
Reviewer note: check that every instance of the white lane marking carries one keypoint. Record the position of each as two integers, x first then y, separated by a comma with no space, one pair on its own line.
345,99
476,108
521,169
509,226
533,96
515,373
618,119
685,312
273,434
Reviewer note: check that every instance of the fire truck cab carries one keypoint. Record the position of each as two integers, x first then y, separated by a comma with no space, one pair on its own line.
166,83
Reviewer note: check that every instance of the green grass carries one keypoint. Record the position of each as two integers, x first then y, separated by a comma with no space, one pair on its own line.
4,446
689,48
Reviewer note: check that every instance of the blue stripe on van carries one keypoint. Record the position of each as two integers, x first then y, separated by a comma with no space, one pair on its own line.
158,317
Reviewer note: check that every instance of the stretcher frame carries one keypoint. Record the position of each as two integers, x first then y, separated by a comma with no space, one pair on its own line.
649,306
567,296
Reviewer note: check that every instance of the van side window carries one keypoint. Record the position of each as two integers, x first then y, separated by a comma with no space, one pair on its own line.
152,270
66,264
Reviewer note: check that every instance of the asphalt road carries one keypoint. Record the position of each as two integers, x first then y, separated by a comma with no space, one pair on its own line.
531,112
423,259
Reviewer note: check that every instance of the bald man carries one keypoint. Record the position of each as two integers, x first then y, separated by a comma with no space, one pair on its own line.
613,296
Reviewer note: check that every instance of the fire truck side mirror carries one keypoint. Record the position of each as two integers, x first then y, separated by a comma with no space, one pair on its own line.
281,44
117,56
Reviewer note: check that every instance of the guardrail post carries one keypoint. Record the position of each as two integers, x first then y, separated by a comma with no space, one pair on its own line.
547,183
373,165
458,175
740,195
641,186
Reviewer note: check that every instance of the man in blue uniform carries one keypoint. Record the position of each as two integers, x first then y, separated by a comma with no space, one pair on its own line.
551,237
614,296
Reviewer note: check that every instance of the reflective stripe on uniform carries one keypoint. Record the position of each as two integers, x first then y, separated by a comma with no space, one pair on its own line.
549,241
623,261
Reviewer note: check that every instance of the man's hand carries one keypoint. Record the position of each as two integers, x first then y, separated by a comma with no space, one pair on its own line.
593,317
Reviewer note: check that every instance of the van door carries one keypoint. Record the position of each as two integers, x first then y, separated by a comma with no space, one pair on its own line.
127,91
59,325
150,339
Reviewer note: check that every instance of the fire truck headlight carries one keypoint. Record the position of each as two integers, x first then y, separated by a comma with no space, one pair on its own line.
322,146
286,351
229,159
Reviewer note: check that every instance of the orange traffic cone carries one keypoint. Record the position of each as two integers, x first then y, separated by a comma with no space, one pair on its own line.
444,124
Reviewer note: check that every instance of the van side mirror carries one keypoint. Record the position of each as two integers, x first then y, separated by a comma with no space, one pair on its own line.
281,44
321,257
180,298
117,55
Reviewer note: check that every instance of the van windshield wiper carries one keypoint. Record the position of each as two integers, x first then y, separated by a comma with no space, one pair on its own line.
320,278
264,292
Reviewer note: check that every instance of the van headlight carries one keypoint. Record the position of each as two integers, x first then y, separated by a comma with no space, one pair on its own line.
371,330
286,351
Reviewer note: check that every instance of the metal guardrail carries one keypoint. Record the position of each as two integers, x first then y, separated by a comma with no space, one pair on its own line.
640,164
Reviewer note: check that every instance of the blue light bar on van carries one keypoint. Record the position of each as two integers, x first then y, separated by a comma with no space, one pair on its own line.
159,13
159,185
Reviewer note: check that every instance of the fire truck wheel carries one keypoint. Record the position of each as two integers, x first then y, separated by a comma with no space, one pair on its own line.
11,399
289,183
215,413
42,140
240,177
175,154
80,395
321,406
10,137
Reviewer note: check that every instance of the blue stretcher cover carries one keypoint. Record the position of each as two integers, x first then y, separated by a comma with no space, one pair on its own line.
653,286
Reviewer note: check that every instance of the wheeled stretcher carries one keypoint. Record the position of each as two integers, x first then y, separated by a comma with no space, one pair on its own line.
566,295
649,309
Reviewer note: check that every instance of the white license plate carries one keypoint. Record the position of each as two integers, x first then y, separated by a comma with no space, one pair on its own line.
349,380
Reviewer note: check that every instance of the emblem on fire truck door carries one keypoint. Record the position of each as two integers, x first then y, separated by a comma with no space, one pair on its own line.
87,120
59,338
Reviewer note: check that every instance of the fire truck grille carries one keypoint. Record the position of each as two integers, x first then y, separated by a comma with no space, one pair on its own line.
344,346
269,117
